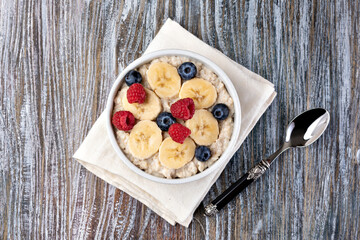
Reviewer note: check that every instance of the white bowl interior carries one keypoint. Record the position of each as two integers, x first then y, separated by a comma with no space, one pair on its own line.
227,154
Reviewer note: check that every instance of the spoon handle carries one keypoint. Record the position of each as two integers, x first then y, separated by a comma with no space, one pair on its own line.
236,188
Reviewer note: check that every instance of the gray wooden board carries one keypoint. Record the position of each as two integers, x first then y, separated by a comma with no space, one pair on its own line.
58,60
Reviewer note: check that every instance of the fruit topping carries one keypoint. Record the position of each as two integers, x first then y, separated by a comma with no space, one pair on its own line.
174,155
147,110
133,77
178,132
183,109
202,153
164,79
220,111
144,139
187,70
136,93
204,127
165,120
201,91
123,120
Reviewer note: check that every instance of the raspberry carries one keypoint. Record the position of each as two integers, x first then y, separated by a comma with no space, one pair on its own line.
178,132
183,109
136,93
123,120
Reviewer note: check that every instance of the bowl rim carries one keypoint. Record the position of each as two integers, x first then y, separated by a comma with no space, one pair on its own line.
227,154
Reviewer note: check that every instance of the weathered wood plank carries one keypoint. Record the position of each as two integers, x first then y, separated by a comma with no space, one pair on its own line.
58,60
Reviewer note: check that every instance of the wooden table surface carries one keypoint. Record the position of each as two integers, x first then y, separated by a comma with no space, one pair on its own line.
58,60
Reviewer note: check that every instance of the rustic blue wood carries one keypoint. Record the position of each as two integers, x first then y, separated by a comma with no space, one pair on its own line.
58,60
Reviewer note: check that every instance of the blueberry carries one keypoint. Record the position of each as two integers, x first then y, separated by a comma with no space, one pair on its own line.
133,77
202,153
220,111
187,70
165,120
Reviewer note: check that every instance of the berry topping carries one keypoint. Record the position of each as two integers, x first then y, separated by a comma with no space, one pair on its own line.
178,132
123,120
133,77
202,153
136,93
187,70
220,111
165,120
183,109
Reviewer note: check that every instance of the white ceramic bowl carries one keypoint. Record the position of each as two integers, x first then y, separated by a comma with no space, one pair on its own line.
227,154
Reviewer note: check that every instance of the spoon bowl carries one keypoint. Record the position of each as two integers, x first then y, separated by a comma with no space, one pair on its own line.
307,127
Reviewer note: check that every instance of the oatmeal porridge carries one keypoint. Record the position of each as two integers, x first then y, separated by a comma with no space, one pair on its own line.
175,116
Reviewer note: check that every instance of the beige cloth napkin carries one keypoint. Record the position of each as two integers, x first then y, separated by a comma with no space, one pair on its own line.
176,203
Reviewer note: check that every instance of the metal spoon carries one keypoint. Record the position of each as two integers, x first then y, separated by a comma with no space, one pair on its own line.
302,131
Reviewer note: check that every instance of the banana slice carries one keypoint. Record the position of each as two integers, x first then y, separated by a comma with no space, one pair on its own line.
144,111
164,79
201,91
175,155
204,127
145,139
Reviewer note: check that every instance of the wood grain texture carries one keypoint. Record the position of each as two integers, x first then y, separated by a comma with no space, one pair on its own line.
58,60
